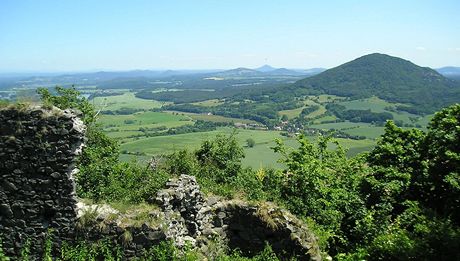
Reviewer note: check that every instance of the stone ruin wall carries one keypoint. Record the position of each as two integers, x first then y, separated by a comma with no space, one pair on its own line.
38,148
37,160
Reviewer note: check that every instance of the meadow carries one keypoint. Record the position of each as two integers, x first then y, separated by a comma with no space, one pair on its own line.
259,155
126,100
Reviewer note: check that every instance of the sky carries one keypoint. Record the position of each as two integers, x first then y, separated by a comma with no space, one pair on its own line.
86,35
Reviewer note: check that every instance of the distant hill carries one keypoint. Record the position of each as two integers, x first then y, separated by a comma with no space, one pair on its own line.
284,71
390,78
450,72
239,72
265,68
269,70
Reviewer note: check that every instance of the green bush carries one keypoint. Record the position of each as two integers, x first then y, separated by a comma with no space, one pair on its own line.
323,184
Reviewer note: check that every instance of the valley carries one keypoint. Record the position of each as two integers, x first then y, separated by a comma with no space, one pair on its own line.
153,113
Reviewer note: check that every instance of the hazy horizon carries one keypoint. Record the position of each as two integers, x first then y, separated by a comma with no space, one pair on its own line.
87,36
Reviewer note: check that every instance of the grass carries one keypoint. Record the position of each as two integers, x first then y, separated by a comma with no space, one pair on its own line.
371,132
374,104
116,126
356,146
320,111
325,98
143,119
162,144
260,154
324,119
208,103
296,112
213,118
126,100
292,113
353,128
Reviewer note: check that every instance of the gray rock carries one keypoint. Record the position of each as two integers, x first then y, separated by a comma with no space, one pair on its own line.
5,210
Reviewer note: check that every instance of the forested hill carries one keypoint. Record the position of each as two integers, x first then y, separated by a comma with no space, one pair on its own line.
390,78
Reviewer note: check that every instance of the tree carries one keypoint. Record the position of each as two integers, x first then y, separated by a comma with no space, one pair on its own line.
100,154
69,98
250,142
413,190
442,144
323,184
220,158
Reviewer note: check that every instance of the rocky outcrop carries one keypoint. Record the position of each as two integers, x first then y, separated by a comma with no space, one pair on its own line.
37,191
195,220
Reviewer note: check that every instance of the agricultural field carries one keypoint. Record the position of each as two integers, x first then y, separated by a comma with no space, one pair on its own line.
208,103
210,117
126,100
320,101
123,127
292,113
353,128
259,155
378,105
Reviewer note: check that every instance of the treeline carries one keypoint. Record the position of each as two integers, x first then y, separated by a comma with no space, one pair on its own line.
121,111
104,94
358,115
182,96
265,113
198,126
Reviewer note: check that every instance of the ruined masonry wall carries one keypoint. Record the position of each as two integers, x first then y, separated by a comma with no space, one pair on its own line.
37,190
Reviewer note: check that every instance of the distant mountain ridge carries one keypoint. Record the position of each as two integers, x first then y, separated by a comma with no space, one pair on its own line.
390,78
450,72
265,70
241,71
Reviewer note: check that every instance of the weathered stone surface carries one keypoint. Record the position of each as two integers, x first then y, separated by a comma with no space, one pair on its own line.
195,220
34,197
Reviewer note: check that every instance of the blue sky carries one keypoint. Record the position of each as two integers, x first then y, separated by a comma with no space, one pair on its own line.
84,35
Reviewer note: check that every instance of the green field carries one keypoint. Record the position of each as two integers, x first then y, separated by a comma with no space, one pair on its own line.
376,104
259,155
208,103
353,128
123,126
213,118
292,113
127,100
308,102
